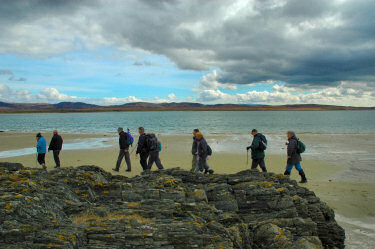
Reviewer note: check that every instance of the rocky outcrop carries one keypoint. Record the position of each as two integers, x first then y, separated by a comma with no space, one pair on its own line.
86,207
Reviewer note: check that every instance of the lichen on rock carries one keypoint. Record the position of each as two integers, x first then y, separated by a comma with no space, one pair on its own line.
87,207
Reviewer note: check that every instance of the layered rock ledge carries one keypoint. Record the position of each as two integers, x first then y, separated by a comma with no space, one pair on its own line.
87,207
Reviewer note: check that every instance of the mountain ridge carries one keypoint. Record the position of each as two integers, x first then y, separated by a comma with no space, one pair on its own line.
172,106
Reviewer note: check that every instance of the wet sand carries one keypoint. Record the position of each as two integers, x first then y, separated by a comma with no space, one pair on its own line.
354,202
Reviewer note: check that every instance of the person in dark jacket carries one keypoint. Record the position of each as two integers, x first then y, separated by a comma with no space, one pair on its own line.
154,153
202,154
257,154
124,151
41,149
142,148
194,149
56,146
294,158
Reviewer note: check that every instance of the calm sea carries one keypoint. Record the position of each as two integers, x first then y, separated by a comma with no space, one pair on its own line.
211,122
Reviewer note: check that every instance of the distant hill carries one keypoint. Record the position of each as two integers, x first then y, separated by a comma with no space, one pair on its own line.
145,106
78,105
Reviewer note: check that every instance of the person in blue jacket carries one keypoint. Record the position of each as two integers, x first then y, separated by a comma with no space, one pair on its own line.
41,149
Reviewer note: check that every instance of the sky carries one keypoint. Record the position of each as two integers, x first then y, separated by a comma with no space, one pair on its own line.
110,52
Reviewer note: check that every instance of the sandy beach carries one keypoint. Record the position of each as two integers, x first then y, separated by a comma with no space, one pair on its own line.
353,202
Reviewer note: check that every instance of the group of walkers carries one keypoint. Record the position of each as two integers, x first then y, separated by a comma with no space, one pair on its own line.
148,148
294,150
55,145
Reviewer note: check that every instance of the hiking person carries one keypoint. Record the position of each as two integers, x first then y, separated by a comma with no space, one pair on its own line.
124,142
41,149
257,147
154,147
194,149
294,157
202,153
142,148
56,146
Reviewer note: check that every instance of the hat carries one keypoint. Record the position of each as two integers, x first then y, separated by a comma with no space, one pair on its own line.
254,130
120,129
38,134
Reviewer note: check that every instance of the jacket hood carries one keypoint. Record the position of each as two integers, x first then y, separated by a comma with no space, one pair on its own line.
294,137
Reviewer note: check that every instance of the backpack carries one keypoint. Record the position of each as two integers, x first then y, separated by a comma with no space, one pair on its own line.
301,147
151,142
209,150
129,138
159,146
263,142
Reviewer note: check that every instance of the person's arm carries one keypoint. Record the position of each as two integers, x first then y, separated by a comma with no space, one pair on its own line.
141,141
194,148
291,148
123,141
204,147
62,141
38,146
255,144
52,143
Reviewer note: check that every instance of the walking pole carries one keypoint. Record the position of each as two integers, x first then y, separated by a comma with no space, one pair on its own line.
247,158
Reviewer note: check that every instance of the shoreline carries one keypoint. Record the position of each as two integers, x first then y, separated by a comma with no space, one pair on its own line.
239,108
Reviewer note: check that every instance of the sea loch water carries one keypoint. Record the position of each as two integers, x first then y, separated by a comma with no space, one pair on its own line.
179,123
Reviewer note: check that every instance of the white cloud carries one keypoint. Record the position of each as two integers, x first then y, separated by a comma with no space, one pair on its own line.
53,95
281,94
211,81
10,95
172,97
117,101
347,93
215,96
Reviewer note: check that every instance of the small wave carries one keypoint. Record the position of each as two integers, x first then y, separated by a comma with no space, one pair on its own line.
77,144
359,234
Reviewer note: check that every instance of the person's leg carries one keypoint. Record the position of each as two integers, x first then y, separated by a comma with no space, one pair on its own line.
157,161
194,163
143,160
301,173
40,159
201,162
208,168
196,167
127,160
151,160
254,164
262,165
121,155
43,160
56,158
288,169
205,166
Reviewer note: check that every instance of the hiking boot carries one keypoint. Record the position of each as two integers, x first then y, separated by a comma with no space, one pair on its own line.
303,176
44,167
286,173
57,167
115,170
210,171
128,170
205,171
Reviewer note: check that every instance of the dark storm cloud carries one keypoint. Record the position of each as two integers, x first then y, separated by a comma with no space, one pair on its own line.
302,42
